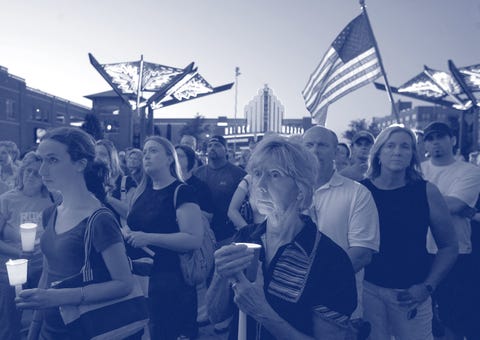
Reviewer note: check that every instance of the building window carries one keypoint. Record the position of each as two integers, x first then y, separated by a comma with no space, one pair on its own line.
11,109
60,117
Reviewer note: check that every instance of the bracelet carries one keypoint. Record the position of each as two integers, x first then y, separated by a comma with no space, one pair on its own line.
82,295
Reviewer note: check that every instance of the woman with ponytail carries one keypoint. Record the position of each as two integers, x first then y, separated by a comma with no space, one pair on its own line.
166,218
68,165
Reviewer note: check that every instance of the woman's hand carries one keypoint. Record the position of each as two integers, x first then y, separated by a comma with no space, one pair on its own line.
137,239
36,298
232,259
250,296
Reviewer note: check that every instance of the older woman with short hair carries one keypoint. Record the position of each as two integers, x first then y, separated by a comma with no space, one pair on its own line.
306,284
400,278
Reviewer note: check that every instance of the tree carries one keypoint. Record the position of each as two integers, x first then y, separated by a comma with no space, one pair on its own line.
93,126
195,127
361,125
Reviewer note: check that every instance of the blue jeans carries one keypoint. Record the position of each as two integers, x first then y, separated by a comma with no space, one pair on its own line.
388,318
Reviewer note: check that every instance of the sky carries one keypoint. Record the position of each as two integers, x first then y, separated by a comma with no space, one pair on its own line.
274,42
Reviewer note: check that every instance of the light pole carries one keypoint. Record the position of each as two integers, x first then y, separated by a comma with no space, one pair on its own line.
237,73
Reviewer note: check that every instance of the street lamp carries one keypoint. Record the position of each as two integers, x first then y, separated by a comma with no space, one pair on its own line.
237,73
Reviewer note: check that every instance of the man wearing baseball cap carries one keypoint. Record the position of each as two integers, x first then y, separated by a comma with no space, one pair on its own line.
459,183
362,142
222,177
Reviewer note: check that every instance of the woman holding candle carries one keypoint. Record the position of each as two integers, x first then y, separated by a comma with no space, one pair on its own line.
306,285
23,204
69,166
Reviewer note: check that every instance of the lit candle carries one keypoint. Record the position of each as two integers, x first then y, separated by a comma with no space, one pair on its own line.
17,273
28,232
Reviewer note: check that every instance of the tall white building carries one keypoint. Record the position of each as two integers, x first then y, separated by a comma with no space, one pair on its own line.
264,112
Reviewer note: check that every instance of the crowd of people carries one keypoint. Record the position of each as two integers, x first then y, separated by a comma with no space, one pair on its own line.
376,238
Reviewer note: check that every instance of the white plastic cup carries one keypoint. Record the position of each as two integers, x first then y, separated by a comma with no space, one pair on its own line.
17,271
251,271
28,232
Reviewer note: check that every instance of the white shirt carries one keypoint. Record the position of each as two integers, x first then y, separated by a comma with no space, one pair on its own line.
460,180
345,211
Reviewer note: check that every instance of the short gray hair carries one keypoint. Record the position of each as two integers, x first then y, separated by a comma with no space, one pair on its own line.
295,160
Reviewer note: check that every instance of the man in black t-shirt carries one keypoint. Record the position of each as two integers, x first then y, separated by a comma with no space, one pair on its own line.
222,177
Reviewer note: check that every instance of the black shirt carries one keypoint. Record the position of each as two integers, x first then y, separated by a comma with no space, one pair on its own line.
203,193
154,212
404,217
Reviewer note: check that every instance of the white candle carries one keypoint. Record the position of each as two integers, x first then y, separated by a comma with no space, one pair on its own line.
28,232
17,271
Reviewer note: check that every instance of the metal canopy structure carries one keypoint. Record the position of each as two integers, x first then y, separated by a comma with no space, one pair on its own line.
149,86
458,89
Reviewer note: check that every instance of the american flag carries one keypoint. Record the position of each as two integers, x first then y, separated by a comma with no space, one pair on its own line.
350,63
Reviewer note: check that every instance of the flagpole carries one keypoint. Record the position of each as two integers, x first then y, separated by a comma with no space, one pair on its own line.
377,50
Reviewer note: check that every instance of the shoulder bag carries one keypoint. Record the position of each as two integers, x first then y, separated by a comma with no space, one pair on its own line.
113,319
197,264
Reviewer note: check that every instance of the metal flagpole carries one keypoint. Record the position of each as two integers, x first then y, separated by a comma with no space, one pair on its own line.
377,50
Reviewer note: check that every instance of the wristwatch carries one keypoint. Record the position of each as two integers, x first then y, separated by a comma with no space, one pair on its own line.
429,288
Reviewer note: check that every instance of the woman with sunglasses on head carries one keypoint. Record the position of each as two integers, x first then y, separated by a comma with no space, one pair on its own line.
23,204
165,217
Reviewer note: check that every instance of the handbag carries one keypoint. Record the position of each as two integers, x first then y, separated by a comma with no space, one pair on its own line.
246,210
197,264
113,319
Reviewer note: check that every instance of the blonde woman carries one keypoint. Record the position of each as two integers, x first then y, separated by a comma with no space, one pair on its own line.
168,228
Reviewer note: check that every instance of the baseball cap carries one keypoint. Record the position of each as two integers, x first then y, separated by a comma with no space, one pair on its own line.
437,127
363,135
218,139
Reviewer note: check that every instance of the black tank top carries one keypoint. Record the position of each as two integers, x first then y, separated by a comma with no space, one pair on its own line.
404,213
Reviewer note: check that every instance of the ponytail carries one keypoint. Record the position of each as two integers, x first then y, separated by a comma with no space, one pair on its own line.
96,177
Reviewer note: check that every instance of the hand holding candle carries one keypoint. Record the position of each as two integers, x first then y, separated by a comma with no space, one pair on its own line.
251,275
251,271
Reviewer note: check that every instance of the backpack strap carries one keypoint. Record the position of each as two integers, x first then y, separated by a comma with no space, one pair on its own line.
175,194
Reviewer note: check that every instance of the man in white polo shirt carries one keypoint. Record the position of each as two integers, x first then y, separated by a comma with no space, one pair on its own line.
343,209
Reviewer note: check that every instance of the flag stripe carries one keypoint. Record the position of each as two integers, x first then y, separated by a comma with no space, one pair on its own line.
357,64
349,87
340,73
350,62
343,80
320,69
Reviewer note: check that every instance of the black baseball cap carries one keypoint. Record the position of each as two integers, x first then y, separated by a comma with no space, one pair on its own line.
218,139
363,135
437,127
